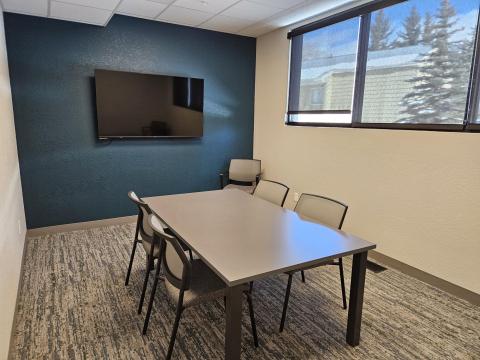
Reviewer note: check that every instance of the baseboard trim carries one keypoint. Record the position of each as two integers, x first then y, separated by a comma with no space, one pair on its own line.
430,279
80,226
19,289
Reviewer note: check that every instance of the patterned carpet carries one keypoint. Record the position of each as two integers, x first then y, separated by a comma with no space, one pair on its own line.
74,305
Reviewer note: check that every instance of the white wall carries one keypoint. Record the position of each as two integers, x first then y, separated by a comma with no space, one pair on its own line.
415,194
12,218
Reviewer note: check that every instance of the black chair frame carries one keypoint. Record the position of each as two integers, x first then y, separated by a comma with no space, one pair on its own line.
139,230
338,263
183,285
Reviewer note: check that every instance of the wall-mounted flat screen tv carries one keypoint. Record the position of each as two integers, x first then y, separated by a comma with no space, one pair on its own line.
132,105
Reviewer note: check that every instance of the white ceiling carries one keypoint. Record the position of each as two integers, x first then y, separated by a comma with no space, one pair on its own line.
243,17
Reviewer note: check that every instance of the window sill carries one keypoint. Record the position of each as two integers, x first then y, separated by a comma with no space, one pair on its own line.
421,127
473,127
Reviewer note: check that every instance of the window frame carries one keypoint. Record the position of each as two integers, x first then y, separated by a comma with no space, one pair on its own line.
364,12
473,102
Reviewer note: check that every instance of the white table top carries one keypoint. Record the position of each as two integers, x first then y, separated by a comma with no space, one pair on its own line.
244,238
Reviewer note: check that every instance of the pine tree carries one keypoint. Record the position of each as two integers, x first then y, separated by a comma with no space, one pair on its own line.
463,62
434,91
411,33
380,32
427,34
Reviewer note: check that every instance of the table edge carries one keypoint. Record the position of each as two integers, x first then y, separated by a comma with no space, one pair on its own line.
296,267
268,273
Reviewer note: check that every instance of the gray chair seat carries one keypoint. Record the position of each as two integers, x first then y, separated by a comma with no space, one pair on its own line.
247,188
204,285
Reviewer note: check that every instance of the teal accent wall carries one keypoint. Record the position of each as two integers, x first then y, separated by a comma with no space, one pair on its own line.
67,174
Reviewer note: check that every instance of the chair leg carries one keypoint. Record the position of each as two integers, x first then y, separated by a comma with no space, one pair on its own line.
342,282
152,297
252,319
145,282
135,241
285,303
149,264
134,248
175,327
303,276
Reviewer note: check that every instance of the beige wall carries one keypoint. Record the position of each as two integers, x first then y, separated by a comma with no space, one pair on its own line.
415,194
12,218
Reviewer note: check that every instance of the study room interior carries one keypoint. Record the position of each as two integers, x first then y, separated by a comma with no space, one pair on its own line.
239,179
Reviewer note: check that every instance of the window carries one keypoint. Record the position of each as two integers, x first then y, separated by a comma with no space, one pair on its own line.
404,64
323,81
477,118
418,67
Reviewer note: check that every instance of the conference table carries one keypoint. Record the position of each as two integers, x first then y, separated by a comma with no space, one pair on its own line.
243,238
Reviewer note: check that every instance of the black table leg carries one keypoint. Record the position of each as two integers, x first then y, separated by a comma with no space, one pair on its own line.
357,285
233,329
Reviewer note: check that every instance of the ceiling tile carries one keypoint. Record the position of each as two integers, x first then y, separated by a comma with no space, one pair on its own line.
250,10
183,16
226,24
284,4
211,6
29,7
257,30
100,4
141,8
83,14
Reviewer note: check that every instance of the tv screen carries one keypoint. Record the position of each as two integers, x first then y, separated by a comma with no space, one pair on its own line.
142,105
